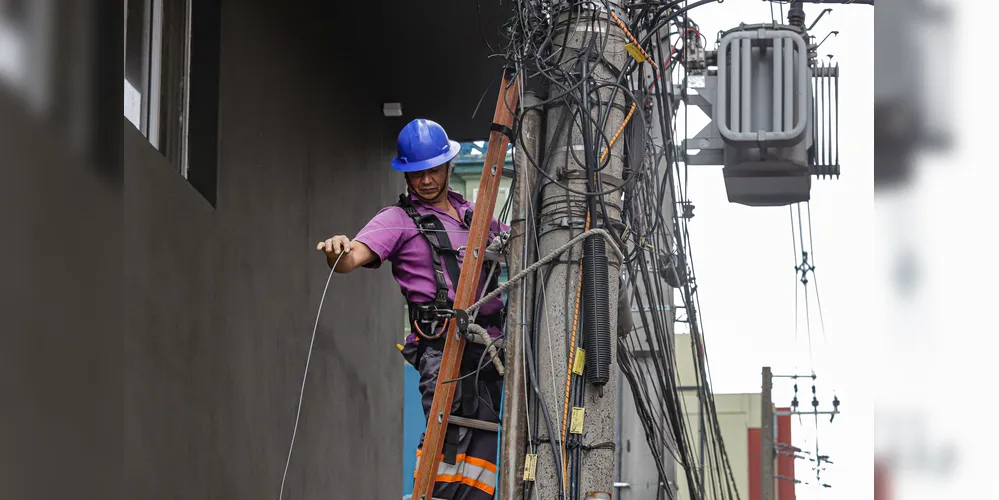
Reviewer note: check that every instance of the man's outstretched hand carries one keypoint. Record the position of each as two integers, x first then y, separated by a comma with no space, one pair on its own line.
346,254
335,246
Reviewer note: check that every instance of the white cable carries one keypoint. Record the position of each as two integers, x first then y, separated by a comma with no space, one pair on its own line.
551,355
523,326
548,258
301,394
473,308
375,230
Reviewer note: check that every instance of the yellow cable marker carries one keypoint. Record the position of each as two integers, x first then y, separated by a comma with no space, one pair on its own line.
577,421
579,362
530,467
635,52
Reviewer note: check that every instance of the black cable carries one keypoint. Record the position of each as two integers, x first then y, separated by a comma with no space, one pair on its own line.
544,411
569,75
478,18
481,364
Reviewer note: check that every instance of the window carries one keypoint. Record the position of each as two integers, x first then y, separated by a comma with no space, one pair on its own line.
501,195
171,83
146,59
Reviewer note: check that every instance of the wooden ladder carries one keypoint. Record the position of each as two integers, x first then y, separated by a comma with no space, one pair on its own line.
468,283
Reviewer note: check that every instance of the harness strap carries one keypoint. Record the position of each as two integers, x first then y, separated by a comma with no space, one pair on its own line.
440,249
443,254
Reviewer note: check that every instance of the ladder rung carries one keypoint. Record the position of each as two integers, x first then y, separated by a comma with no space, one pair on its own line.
471,423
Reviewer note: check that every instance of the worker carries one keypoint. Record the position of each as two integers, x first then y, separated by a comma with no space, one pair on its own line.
424,237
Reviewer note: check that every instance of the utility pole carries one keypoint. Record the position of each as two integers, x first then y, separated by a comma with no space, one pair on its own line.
767,437
520,304
581,409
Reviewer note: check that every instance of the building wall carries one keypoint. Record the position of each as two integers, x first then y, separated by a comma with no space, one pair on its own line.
755,465
219,298
785,461
220,301
739,421
783,489
60,315
737,414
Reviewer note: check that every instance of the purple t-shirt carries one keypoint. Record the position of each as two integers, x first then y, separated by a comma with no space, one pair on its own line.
393,237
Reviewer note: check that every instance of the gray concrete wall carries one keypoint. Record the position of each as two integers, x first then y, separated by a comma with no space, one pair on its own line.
220,301
60,317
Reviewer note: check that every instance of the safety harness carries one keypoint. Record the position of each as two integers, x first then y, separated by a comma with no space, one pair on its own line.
427,318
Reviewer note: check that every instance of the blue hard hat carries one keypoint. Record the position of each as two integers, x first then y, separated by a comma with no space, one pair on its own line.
423,144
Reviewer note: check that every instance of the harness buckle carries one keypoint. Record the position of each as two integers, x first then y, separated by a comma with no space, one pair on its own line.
430,317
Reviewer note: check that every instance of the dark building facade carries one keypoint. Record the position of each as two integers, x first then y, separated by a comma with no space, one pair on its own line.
251,131
223,282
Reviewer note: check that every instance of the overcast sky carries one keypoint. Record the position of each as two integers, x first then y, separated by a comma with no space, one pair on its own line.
744,262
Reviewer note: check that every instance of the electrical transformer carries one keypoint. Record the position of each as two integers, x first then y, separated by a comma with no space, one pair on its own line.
773,115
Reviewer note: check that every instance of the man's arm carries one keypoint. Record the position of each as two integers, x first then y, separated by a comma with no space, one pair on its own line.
355,253
377,242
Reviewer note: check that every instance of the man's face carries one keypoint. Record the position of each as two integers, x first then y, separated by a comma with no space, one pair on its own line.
431,184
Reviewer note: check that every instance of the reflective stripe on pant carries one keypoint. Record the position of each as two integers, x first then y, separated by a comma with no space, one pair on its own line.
472,476
466,471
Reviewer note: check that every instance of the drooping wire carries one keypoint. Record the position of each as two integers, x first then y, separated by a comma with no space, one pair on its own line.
305,375
815,279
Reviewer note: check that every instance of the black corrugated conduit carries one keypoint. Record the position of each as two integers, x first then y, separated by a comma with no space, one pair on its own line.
596,311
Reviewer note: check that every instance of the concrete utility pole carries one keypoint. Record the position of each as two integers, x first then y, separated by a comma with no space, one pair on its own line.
767,437
563,215
520,304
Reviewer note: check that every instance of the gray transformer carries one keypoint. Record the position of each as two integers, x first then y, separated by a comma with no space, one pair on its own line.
773,115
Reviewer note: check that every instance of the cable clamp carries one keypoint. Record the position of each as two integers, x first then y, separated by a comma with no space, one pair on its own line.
611,180
561,223
461,320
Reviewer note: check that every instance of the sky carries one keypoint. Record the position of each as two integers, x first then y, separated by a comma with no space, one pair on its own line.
934,428
744,263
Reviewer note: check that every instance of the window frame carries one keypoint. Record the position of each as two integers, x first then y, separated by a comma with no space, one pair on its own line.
178,109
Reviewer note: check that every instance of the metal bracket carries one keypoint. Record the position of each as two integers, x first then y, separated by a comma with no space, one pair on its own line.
604,178
561,223
708,140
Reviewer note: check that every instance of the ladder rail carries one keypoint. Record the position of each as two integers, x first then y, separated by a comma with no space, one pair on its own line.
454,344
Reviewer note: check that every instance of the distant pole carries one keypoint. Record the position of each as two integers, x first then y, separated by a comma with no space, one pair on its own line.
767,438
